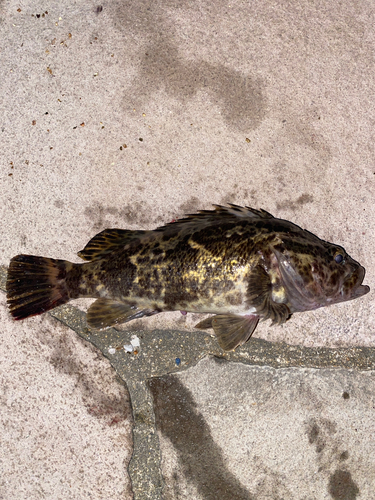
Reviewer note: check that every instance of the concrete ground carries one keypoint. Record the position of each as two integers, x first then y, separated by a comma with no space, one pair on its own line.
131,114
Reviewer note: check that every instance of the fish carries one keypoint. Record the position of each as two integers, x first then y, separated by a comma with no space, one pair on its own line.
239,264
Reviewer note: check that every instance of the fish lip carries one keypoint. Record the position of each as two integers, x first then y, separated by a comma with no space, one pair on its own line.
361,290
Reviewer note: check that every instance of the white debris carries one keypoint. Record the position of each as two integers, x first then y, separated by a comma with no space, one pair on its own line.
128,348
135,341
112,350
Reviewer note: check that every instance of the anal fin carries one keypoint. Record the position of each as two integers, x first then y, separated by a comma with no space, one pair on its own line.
104,313
231,330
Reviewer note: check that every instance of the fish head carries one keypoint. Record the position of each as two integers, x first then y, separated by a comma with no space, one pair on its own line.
317,273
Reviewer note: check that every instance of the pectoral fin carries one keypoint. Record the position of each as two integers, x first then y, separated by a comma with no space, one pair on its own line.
104,313
259,295
231,330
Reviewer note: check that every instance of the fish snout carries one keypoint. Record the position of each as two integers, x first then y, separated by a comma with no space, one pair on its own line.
352,287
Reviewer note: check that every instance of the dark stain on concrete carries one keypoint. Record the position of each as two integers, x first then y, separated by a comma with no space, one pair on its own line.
201,459
320,432
190,206
162,67
313,433
92,383
296,204
136,213
59,203
342,487
344,455
317,433
249,196
239,96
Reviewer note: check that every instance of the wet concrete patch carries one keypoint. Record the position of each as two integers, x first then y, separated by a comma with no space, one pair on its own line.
240,96
200,458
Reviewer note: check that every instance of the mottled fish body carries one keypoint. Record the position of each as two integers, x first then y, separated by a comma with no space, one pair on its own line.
239,264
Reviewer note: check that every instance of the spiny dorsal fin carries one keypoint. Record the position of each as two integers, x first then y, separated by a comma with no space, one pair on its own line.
221,214
231,330
108,241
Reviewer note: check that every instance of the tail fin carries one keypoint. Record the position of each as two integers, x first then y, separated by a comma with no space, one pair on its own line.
36,285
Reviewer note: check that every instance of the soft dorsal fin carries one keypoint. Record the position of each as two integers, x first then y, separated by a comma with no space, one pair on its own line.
108,241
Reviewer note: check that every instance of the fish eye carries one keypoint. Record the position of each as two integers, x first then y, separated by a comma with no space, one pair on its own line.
339,258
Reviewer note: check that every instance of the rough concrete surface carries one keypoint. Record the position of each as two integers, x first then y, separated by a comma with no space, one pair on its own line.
234,431
65,420
130,114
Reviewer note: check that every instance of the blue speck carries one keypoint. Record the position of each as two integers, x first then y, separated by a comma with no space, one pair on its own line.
178,361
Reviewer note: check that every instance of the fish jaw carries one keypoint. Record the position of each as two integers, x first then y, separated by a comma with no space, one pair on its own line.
352,287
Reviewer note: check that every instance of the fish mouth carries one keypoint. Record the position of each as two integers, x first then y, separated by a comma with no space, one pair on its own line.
352,287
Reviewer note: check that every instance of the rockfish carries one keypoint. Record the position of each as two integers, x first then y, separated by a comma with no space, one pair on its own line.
237,263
